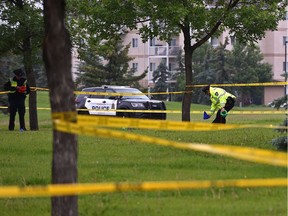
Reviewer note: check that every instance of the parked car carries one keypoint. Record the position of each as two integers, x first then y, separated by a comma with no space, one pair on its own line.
120,98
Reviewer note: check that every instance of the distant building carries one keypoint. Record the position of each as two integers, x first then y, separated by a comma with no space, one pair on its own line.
273,48
149,55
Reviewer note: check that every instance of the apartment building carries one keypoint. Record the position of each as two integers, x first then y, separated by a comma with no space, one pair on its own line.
148,55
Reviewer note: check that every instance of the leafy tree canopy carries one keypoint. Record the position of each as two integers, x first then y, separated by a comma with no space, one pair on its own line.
19,20
107,65
248,20
160,77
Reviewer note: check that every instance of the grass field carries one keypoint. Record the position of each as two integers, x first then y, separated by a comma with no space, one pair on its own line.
25,159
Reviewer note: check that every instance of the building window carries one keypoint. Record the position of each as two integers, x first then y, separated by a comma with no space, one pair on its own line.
285,68
214,41
172,42
134,42
285,40
233,40
152,42
170,67
285,16
164,61
135,67
152,67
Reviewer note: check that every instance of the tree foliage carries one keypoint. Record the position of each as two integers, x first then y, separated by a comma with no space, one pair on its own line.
197,20
160,77
21,32
281,142
248,67
107,65
179,76
242,64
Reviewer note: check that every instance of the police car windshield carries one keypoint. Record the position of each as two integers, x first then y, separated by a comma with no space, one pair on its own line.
132,94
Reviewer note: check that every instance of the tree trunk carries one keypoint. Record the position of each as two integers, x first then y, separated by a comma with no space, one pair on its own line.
27,55
33,118
187,98
57,58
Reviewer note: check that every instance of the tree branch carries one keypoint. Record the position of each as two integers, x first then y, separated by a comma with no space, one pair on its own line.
230,6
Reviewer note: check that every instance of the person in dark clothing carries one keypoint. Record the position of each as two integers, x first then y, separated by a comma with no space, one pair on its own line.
18,89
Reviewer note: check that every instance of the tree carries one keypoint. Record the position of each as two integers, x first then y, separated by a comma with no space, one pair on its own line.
21,31
57,58
160,78
3,98
197,20
107,65
211,66
248,67
179,76
281,142
244,64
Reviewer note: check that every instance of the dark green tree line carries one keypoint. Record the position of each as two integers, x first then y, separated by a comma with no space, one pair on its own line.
243,64
108,64
160,77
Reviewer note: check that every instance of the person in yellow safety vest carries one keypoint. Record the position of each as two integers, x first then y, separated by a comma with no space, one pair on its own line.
221,101
18,89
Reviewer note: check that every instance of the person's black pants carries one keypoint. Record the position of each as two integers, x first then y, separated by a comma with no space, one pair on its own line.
230,102
14,107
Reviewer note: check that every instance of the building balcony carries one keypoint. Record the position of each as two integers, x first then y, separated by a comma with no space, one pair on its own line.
164,51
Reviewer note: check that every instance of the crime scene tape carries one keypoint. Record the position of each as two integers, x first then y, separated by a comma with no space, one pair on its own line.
39,89
242,84
127,93
255,112
4,92
104,121
38,108
191,112
243,153
159,93
78,189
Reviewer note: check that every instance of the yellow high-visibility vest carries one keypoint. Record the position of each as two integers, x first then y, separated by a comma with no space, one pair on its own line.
14,84
218,97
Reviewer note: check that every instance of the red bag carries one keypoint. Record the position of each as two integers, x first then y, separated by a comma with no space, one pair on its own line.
21,89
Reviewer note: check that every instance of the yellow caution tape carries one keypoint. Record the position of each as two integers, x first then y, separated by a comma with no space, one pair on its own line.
78,189
179,92
4,92
104,121
65,116
255,112
39,89
243,153
242,84
260,112
191,112
126,93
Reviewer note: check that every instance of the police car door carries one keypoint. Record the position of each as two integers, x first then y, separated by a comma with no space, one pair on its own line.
111,102
100,104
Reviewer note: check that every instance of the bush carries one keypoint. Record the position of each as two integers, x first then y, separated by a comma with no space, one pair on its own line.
281,142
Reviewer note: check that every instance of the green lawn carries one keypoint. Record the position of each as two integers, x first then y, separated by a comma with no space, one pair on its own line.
25,159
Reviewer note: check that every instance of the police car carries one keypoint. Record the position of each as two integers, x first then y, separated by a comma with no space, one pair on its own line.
110,100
